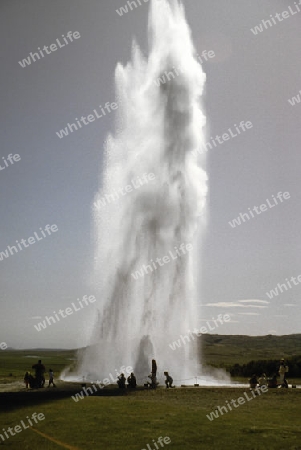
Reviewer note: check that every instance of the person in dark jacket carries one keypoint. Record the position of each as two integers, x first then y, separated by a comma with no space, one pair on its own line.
27,379
39,370
168,380
132,382
121,381
253,381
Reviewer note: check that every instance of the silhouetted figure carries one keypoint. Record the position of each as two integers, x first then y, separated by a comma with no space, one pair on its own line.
33,382
168,380
121,381
51,378
27,379
253,381
39,371
132,382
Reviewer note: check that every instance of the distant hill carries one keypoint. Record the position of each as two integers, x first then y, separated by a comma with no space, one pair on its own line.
224,351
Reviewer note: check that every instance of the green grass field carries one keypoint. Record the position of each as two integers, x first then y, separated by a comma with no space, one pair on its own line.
270,421
14,363
223,351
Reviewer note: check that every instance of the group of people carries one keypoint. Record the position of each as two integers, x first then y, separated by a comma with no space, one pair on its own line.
273,381
153,377
38,381
132,383
121,381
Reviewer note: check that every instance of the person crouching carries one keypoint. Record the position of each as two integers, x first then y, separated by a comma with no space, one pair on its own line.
168,380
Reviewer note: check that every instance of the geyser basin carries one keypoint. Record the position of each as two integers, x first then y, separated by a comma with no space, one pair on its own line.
151,297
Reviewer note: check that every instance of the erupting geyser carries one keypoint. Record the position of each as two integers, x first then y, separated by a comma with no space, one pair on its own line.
147,242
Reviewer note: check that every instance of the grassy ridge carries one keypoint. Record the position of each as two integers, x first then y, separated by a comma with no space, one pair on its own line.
223,351
217,350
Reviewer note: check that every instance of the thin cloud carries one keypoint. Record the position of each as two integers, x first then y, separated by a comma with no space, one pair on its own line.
206,320
249,314
254,301
233,305
289,304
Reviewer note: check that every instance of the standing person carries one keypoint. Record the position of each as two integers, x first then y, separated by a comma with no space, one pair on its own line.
121,381
132,382
51,378
26,379
39,370
283,369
